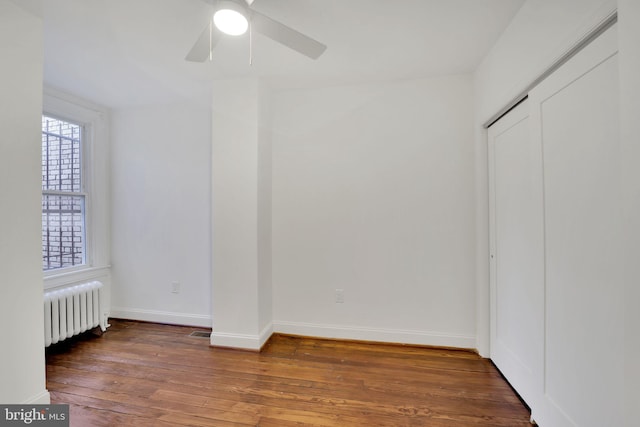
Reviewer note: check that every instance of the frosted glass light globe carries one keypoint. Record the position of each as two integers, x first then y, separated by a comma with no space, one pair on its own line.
230,22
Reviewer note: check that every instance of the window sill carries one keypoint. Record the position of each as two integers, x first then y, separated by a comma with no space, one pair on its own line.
54,280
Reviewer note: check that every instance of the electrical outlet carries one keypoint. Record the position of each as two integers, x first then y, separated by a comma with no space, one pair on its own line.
175,287
339,296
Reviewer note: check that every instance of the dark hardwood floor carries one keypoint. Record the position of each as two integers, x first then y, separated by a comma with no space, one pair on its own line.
144,374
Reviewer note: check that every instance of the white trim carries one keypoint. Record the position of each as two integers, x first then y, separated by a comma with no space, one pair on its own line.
42,398
66,103
66,277
396,336
240,341
265,334
156,316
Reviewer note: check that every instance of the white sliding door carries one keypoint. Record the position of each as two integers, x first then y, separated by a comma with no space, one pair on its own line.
574,115
556,277
517,250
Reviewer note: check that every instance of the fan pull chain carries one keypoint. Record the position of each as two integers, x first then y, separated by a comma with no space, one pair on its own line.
211,40
250,44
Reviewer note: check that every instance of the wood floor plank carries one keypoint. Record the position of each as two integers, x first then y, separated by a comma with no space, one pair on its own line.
148,374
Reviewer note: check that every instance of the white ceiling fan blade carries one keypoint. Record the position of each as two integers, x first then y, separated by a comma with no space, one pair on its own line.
286,35
201,50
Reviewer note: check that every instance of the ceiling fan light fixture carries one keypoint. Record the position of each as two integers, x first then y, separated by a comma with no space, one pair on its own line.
231,18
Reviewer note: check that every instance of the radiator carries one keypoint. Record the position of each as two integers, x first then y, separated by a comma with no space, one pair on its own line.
73,310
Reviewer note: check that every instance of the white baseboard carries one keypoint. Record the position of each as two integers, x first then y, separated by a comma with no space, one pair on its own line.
156,316
42,398
255,342
395,336
242,341
265,334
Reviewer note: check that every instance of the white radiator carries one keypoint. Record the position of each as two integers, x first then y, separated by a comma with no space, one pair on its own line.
73,310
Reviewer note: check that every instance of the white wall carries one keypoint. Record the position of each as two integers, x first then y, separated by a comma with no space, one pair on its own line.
373,193
628,38
540,33
161,214
22,365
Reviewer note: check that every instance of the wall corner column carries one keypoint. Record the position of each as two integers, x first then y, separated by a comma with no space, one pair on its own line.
241,245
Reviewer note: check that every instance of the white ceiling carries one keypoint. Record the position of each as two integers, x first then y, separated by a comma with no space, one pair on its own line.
130,52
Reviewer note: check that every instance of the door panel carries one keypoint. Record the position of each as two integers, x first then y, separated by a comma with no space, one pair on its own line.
515,164
574,115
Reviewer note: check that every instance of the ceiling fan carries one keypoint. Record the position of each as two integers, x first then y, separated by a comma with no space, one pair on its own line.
234,17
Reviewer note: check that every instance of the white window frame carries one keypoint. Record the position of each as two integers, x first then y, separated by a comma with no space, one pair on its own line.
94,163
85,175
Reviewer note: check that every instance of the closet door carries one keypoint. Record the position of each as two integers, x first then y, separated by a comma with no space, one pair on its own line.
574,115
516,263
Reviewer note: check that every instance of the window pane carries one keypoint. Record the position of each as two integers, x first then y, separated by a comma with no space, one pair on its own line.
60,155
63,231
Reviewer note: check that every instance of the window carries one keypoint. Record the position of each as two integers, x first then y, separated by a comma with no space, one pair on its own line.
63,197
